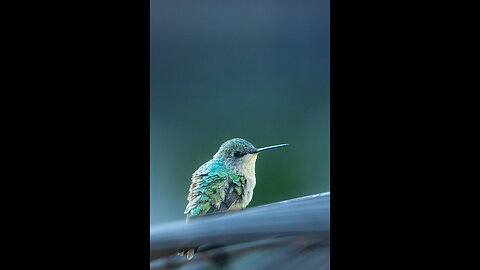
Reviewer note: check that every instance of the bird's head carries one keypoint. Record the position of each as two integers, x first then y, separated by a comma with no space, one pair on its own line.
241,154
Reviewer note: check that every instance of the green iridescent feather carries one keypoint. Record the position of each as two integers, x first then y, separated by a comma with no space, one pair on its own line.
211,186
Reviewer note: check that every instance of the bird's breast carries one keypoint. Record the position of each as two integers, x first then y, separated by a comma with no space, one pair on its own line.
248,190
248,171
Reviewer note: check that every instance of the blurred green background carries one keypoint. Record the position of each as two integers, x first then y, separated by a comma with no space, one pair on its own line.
257,70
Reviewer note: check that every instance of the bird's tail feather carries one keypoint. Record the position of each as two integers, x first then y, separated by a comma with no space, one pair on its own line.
189,252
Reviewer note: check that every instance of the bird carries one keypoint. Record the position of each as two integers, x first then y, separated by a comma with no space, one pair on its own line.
224,183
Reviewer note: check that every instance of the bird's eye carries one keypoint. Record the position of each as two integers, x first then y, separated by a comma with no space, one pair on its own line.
237,154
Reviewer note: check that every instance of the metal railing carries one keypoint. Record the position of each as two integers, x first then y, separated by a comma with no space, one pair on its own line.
299,228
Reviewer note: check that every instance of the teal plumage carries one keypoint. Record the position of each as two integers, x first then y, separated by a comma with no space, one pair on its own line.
211,184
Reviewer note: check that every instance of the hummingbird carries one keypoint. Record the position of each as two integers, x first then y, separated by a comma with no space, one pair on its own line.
225,182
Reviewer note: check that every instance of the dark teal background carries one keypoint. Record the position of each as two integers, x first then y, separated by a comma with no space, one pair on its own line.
258,70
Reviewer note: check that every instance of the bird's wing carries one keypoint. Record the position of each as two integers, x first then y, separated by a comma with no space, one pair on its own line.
235,189
214,188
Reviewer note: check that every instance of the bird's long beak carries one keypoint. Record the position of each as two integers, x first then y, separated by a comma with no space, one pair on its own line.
271,147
